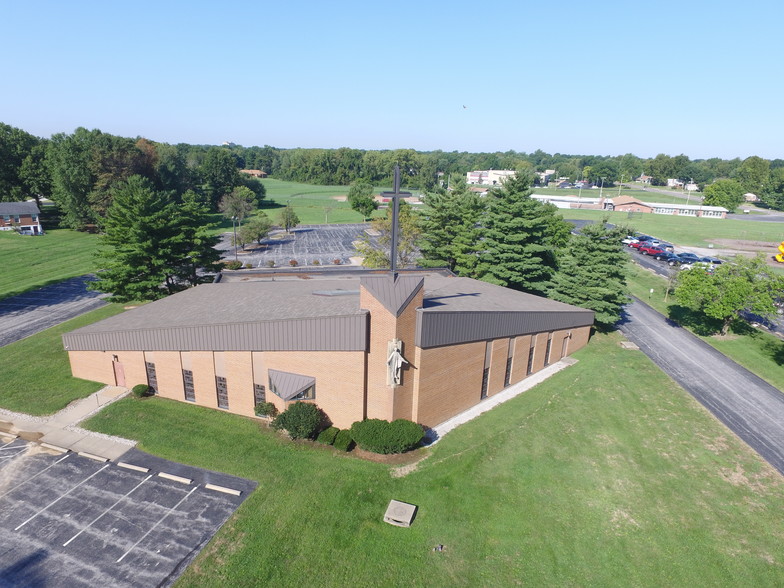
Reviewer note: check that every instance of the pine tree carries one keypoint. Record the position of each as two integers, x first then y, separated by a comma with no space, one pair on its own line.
520,236
592,273
141,243
195,247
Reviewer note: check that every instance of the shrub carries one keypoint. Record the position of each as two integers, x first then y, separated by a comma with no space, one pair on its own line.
248,266
316,262
384,437
141,390
337,261
271,263
233,264
293,263
301,420
343,440
266,409
327,436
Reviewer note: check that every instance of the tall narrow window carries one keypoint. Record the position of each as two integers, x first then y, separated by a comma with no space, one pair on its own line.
486,370
259,393
565,345
509,355
223,393
530,369
549,347
152,379
187,382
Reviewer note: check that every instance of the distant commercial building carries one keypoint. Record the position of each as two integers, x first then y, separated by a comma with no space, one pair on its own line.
488,177
629,204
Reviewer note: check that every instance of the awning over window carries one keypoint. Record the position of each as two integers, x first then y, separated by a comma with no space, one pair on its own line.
288,385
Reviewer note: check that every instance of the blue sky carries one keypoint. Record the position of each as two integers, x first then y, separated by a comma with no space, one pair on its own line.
603,78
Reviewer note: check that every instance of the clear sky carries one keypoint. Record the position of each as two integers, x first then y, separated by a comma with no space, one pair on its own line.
602,78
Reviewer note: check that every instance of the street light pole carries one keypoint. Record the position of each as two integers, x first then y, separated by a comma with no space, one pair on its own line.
234,226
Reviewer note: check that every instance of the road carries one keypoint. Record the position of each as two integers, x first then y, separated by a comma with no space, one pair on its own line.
32,312
746,404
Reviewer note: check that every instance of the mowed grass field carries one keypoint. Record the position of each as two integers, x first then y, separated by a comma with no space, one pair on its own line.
31,262
607,474
35,372
681,230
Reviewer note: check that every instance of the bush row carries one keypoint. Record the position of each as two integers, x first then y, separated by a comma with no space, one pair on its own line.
381,436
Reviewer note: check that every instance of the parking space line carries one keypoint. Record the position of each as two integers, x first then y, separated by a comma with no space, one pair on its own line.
171,510
34,476
7,444
13,455
63,496
107,510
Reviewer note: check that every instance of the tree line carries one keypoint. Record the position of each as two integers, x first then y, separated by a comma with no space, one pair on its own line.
79,170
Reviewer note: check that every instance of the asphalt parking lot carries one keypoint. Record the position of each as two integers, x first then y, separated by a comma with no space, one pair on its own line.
27,314
307,243
67,520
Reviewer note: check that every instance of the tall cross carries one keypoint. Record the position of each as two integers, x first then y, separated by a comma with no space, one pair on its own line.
395,196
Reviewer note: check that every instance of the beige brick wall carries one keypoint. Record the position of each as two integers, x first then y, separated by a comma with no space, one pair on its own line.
500,350
579,339
520,358
449,380
238,371
539,352
92,365
405,330
203,369
168,371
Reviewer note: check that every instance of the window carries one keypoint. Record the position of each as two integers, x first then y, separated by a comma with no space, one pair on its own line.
152,379
486,370
223,393
259,393
508,372
307,394
530,368
547,351
187,381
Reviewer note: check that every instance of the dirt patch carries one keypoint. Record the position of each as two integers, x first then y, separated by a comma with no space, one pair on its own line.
340,198
733,247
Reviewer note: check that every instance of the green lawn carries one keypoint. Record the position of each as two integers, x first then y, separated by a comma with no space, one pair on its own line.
35,372
607,474
756,350
696,232
32,262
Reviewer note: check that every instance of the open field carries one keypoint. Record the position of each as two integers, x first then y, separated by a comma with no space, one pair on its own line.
759,352
607,474
35,372
610,192
694,232
32,262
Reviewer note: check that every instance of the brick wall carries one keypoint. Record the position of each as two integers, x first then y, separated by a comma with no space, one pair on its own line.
500,350
520,358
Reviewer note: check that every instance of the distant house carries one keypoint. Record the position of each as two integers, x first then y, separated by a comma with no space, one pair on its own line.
749,197
21,216
643,179
488,177
256,173
674,183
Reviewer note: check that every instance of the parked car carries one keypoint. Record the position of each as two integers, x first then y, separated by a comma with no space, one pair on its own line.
689,257
713,260
708,267
667,246
668,257
650,250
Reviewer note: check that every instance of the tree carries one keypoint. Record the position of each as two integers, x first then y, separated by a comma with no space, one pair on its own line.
256,229
219,174
592,273
68,159
773,194
288,218
15,146
238,203
194,252
142,246
726,193
376,253
360,197
753,174
520,236
450,229
724,292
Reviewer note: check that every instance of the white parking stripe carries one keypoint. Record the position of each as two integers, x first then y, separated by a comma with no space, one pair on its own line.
107,510
13,455
7,444
171,510
61,497
35,476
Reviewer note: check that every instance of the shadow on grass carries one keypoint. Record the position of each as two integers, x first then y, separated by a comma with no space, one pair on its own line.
775,349
695,321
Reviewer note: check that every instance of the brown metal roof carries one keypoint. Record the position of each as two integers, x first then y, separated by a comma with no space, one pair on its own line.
393,292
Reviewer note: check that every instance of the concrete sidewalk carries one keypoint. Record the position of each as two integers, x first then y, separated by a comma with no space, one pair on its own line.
434,435
60,430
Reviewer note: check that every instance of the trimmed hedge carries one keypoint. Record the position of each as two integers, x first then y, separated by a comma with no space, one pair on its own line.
266,409
381,436
327,436
233,264
301,420
141,391
343,440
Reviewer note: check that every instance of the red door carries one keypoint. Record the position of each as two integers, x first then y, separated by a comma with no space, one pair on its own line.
119,374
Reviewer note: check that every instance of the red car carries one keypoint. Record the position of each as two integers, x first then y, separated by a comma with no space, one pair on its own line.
650,250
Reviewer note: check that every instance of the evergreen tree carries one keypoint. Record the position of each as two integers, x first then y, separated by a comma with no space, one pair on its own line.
141,244
520,236
195,246
450,230
592,273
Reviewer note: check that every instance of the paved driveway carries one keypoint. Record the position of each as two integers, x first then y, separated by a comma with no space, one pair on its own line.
749,406
71,521
32,312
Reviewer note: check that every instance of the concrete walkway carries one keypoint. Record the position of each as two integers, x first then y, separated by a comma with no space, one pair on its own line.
60,431
434,435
